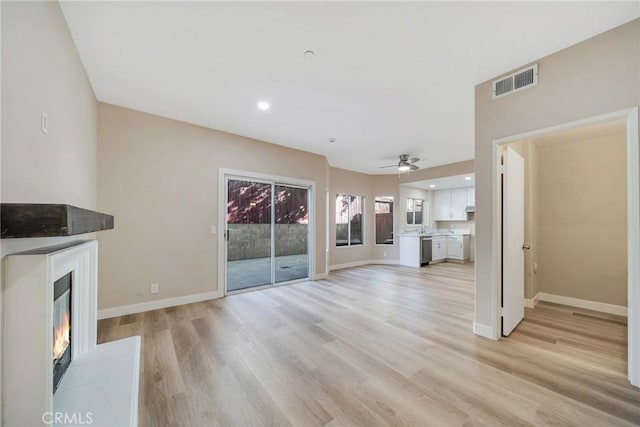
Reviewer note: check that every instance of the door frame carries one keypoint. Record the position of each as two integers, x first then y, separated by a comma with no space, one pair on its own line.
223,174
633,227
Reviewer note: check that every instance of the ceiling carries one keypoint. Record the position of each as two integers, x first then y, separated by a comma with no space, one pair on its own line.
457,181
387,77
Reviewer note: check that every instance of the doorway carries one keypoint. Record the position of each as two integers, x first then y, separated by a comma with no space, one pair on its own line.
267,232
631,237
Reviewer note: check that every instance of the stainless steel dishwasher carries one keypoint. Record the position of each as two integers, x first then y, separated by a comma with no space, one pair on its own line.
425,250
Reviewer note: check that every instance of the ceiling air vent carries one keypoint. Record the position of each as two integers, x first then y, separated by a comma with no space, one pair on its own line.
517,81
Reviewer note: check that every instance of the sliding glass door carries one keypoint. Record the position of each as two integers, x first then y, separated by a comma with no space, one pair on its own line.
267,231
291,233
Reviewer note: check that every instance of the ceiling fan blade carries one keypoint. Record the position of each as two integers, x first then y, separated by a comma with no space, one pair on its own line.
389,166
414,160
414,167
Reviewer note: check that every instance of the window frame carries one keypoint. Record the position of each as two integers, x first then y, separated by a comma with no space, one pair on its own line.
413,212
349,244
389,200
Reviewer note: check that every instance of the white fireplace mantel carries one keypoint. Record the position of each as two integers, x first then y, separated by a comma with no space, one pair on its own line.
27,395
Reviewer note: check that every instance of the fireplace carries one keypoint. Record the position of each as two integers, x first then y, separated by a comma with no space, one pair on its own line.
61,328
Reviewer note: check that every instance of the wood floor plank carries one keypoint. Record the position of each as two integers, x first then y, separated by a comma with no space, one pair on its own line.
378,345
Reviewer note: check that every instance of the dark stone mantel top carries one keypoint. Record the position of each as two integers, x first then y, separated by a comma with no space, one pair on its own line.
22,220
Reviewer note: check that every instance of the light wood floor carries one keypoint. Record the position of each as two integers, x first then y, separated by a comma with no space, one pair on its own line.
378,345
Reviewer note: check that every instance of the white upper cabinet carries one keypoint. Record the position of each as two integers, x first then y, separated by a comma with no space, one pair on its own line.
451,205
442,205
459,204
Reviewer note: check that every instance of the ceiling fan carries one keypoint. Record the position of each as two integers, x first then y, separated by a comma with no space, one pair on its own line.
405,164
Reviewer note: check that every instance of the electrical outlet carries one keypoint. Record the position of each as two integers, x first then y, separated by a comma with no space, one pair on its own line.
384,254
213,229
155,288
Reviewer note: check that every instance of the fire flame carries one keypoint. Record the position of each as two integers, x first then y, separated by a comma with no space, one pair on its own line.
61,337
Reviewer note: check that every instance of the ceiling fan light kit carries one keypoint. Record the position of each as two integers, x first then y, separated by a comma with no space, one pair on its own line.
405,164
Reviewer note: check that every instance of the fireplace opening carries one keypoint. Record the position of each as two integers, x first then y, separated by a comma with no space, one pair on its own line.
61,328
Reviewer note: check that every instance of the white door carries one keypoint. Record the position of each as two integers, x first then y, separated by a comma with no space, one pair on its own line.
512,241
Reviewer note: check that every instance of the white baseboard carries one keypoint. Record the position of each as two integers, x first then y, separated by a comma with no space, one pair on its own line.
364,262
531,302
583,303
485,331
157,304
320,276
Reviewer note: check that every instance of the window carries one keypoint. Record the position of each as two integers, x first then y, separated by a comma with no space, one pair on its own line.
349,210
384,220
414,211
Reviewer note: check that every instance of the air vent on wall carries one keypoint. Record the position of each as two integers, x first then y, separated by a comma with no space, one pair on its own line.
517,81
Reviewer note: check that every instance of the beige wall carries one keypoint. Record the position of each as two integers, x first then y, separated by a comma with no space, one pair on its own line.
386,185
355,184
603,78
414,193
451,169
159,177
41,71
581,230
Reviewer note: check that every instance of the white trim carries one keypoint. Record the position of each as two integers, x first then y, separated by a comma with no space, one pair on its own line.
633,226
123,310
583,303
633,247
532,302
320,276
484,331
223,174
364,262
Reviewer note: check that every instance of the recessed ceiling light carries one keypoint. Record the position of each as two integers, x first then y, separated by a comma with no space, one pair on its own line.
309,54
263,105
332,140
432,186
467,178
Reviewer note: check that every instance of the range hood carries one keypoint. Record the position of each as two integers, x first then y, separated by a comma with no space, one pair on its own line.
470,209
23,220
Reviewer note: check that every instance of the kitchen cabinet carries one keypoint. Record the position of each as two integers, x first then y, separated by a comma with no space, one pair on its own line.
459,204
471,196
451,204
458,247
439,248
442,205
410,250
